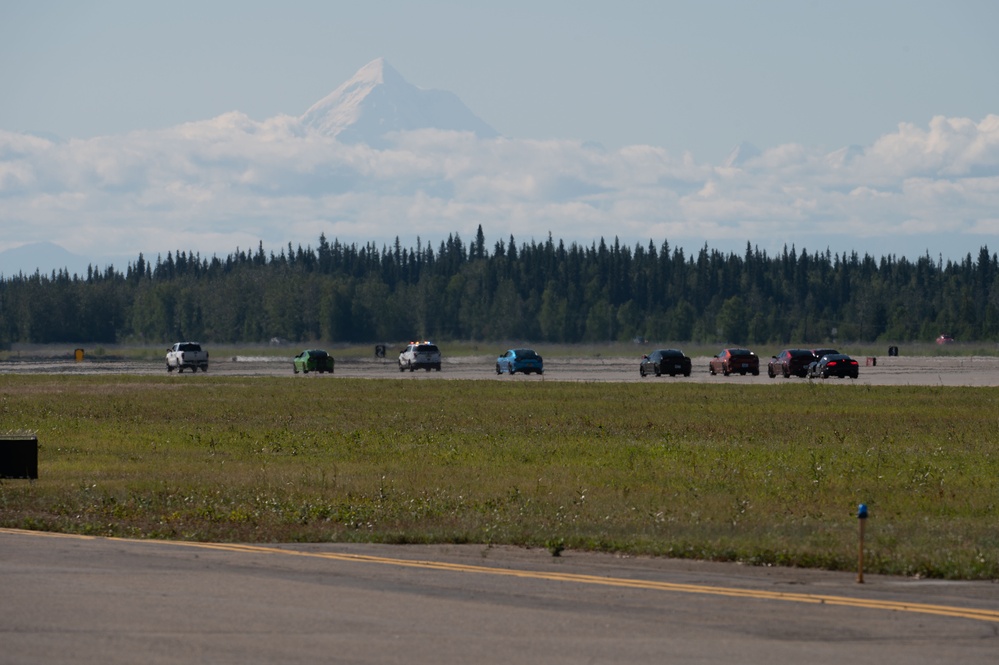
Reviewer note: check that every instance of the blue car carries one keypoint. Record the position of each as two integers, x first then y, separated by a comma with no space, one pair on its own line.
520,360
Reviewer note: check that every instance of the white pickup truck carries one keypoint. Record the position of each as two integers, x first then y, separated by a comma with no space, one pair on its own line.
186,355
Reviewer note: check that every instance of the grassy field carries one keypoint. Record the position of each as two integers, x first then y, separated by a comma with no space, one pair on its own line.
767,475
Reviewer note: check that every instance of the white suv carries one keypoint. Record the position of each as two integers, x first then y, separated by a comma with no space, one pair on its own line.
418,355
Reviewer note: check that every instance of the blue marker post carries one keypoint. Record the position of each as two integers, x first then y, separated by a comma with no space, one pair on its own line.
862,518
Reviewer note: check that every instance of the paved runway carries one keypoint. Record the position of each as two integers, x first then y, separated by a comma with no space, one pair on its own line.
70,599
897,370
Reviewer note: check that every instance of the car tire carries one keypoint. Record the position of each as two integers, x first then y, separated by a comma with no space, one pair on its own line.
687,373
787,373
770,372
499,370
658,371
641,371
711,370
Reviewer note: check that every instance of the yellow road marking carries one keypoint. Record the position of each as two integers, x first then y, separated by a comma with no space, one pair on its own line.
815,599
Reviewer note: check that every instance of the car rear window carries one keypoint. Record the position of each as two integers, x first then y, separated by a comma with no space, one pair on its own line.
526,354
190,347
427,348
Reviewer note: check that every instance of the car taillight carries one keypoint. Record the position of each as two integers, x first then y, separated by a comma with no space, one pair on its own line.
831,363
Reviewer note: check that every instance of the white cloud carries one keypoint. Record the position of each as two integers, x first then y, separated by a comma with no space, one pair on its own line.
230,182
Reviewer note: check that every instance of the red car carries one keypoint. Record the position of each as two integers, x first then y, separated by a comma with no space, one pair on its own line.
791,361
730,361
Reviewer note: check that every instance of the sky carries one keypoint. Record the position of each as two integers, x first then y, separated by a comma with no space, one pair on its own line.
911,84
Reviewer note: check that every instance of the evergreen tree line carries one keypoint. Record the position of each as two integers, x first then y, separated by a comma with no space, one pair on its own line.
540,291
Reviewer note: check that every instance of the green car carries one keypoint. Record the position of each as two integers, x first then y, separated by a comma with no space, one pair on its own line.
313,360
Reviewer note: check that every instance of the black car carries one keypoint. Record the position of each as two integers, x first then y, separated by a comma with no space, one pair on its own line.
665,361
834,364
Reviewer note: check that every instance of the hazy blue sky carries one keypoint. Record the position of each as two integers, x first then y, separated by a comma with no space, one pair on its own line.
130,126
699,76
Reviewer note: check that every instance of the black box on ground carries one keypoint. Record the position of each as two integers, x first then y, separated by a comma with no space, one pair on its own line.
19,456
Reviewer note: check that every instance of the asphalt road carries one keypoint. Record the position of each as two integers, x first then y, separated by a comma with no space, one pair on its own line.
96,601
896,370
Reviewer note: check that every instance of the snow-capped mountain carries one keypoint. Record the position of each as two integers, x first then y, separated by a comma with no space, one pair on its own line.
377,100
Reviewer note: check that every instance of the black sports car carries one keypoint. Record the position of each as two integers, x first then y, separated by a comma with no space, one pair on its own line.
834,364
665,361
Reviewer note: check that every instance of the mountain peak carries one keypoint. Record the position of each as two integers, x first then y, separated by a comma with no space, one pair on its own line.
375,72
377,100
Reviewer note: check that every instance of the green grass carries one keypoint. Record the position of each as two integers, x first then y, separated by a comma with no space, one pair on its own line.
761,474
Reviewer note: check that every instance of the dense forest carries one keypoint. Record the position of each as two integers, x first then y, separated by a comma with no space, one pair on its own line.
543,291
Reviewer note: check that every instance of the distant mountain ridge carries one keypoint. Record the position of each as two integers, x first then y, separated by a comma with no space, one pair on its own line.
42,257
377,101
